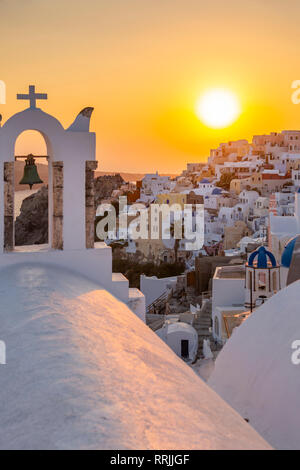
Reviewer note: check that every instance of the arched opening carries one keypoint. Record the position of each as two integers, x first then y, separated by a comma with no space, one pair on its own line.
262,280
274,276
250,283
217,328
31,204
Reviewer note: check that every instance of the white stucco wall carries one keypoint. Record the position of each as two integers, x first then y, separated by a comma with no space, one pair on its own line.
173,333
72,148
226,293
152,287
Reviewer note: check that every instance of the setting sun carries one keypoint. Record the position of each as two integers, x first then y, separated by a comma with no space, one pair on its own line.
218,108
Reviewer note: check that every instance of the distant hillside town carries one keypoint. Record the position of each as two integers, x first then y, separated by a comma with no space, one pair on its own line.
74,328
251,198
243,186
196,299
227,306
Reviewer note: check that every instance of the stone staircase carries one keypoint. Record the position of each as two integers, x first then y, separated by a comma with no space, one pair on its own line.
155,321
158,306
202,324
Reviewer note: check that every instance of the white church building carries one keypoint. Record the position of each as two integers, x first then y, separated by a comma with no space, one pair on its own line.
283,228
257,371
237,290
181,337
82,371
71,161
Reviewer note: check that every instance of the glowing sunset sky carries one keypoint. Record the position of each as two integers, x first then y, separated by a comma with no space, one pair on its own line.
143,64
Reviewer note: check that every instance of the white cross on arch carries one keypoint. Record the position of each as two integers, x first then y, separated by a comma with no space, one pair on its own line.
32,96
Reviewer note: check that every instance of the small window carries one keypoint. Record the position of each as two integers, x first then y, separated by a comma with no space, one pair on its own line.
217,329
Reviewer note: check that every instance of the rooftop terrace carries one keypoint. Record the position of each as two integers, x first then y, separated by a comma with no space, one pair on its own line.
230,272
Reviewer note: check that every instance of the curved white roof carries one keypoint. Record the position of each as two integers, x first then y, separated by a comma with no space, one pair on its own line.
35,115
83,372
255,374
180,326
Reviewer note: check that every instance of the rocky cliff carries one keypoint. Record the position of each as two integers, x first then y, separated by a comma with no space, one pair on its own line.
105,185
31,226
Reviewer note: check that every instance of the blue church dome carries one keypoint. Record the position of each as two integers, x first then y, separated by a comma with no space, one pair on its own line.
217,191
287,254
263,256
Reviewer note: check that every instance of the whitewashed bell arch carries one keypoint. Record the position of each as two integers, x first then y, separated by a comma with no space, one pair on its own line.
72,161
69,148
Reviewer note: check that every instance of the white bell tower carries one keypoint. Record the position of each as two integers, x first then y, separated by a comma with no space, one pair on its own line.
262,278
72,161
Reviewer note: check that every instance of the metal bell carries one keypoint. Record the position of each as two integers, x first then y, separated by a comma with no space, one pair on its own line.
30,175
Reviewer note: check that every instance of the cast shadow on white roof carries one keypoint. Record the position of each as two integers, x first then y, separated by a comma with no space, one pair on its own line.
83,372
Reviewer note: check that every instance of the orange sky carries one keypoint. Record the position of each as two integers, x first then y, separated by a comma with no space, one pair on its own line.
143,64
